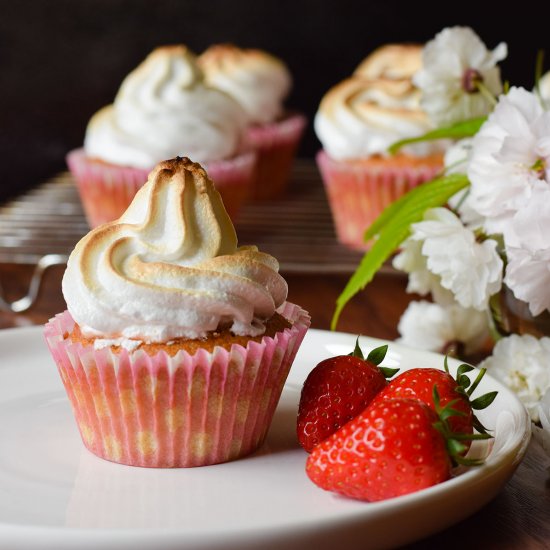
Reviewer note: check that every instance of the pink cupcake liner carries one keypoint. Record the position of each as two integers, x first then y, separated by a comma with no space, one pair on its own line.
359,192
181,411
234,179
276,146
106,190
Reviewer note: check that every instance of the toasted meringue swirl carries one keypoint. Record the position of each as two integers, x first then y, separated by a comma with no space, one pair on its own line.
358,118
170,267
257,80
164,109
392,61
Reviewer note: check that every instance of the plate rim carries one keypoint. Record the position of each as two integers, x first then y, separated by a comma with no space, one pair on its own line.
183,536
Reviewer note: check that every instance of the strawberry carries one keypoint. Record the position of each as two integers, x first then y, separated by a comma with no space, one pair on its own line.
337,390
392,448
418,383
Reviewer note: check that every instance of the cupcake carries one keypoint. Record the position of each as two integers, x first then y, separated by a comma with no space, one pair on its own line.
392,62
260,83
162,109
176,343
357,121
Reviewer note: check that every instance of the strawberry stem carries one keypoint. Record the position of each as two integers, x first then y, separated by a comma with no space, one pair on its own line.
477,381
466,388
375,356
453,439
446,365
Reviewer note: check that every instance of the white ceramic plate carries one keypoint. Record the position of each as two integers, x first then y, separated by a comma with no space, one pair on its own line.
55,494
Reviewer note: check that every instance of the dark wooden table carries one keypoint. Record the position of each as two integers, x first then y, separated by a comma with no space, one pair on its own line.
519,517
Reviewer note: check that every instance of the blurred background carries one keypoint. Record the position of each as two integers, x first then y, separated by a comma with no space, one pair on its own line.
61,60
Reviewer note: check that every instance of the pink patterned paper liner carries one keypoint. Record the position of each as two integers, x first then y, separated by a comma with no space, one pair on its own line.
358,193
106,190
234,178
182,411
276,145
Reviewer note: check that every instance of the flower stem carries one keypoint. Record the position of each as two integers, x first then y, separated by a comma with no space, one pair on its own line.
462,199
486,93
539,64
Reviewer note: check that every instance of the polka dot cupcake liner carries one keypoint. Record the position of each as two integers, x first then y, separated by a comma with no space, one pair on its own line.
276,145
106,190
359,191
182,411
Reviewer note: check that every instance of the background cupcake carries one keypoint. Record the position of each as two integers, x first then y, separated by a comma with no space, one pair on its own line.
392,61
260,83
177,342
357,121
162,109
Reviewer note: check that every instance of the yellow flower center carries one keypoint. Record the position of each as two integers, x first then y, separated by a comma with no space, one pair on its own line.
539,168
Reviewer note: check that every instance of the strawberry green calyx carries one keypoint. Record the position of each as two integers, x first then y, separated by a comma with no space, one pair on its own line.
375,356
466,388
454,441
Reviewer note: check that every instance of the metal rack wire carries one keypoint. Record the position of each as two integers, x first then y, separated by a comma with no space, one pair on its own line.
42,226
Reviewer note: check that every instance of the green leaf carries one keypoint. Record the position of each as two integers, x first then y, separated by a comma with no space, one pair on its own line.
377,355
462,369
436,400
462,129
389,213
449,412
479,426
387,372
483,401
461,378
410,199
393,229
357,352
463,381
455,447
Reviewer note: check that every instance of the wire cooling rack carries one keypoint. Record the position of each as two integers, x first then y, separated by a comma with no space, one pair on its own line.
296,229
42,226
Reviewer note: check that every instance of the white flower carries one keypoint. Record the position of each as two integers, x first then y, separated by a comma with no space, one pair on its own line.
510,159
528,277
457,158
528,269
421,280
531,224
433,327
523,364
472,271
452,64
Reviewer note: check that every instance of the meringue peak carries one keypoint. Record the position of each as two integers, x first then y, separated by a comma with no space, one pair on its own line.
170,267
